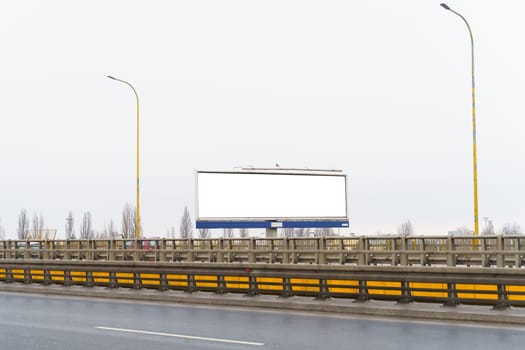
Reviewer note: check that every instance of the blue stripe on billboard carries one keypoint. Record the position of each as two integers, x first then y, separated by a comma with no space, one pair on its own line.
272,224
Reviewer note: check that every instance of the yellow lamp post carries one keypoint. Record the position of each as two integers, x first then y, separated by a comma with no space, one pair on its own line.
474,150
137,216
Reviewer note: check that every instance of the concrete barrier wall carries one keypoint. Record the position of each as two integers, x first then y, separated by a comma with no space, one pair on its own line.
498,287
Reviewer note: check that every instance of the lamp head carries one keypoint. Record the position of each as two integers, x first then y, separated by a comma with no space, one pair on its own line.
445,6
110,77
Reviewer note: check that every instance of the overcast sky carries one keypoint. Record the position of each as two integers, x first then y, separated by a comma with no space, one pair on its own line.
379,89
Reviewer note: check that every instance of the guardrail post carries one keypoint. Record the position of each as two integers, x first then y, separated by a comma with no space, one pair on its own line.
137,280
406,295
67,278
9,275
500,256
342,256
253,289
451,257
287,288
362,295
192,285
503,301
89,279
324,292
163,285
452,296
27,276
113,282
221,285
47,277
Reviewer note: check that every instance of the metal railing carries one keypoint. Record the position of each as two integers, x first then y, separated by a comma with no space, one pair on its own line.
481,251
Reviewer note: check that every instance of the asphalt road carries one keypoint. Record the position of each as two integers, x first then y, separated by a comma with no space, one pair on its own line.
41,322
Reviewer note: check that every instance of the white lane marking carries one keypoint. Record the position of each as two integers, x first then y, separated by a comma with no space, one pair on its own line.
190,337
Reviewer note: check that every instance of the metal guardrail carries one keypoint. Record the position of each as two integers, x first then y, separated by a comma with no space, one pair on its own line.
499,287
482,251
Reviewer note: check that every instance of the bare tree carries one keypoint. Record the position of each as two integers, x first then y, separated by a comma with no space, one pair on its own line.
323,232
2,231
86,228
244,232
38,227
464,230
405,229
23,225
489,228
511,229
228,233
170,232
300,232
287,232
109,230
204,233
186,227
70,230
127,226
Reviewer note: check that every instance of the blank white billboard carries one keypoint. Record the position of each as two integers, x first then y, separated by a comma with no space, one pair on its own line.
270,195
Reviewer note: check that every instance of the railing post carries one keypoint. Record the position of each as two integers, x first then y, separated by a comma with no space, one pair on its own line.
251,250
484,257
500,255
518,257
89,279
404,253
451,257
362,258
163,245
113,282
253,289
286,251
67,252
112,246
321,250
27,275
191,252
220,250
192,285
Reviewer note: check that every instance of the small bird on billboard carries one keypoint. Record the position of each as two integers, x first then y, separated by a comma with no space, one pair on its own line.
277,165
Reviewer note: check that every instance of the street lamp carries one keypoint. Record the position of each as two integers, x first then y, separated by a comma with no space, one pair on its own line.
474,150
137,216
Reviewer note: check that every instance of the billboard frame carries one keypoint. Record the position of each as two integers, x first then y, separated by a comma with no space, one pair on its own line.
272,222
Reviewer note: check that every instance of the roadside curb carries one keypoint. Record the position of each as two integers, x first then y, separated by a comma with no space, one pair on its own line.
417,311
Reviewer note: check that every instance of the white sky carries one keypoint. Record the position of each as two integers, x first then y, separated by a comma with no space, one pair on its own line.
380,89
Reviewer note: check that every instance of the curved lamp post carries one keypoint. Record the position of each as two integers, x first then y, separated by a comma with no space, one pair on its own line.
474,150
137,216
